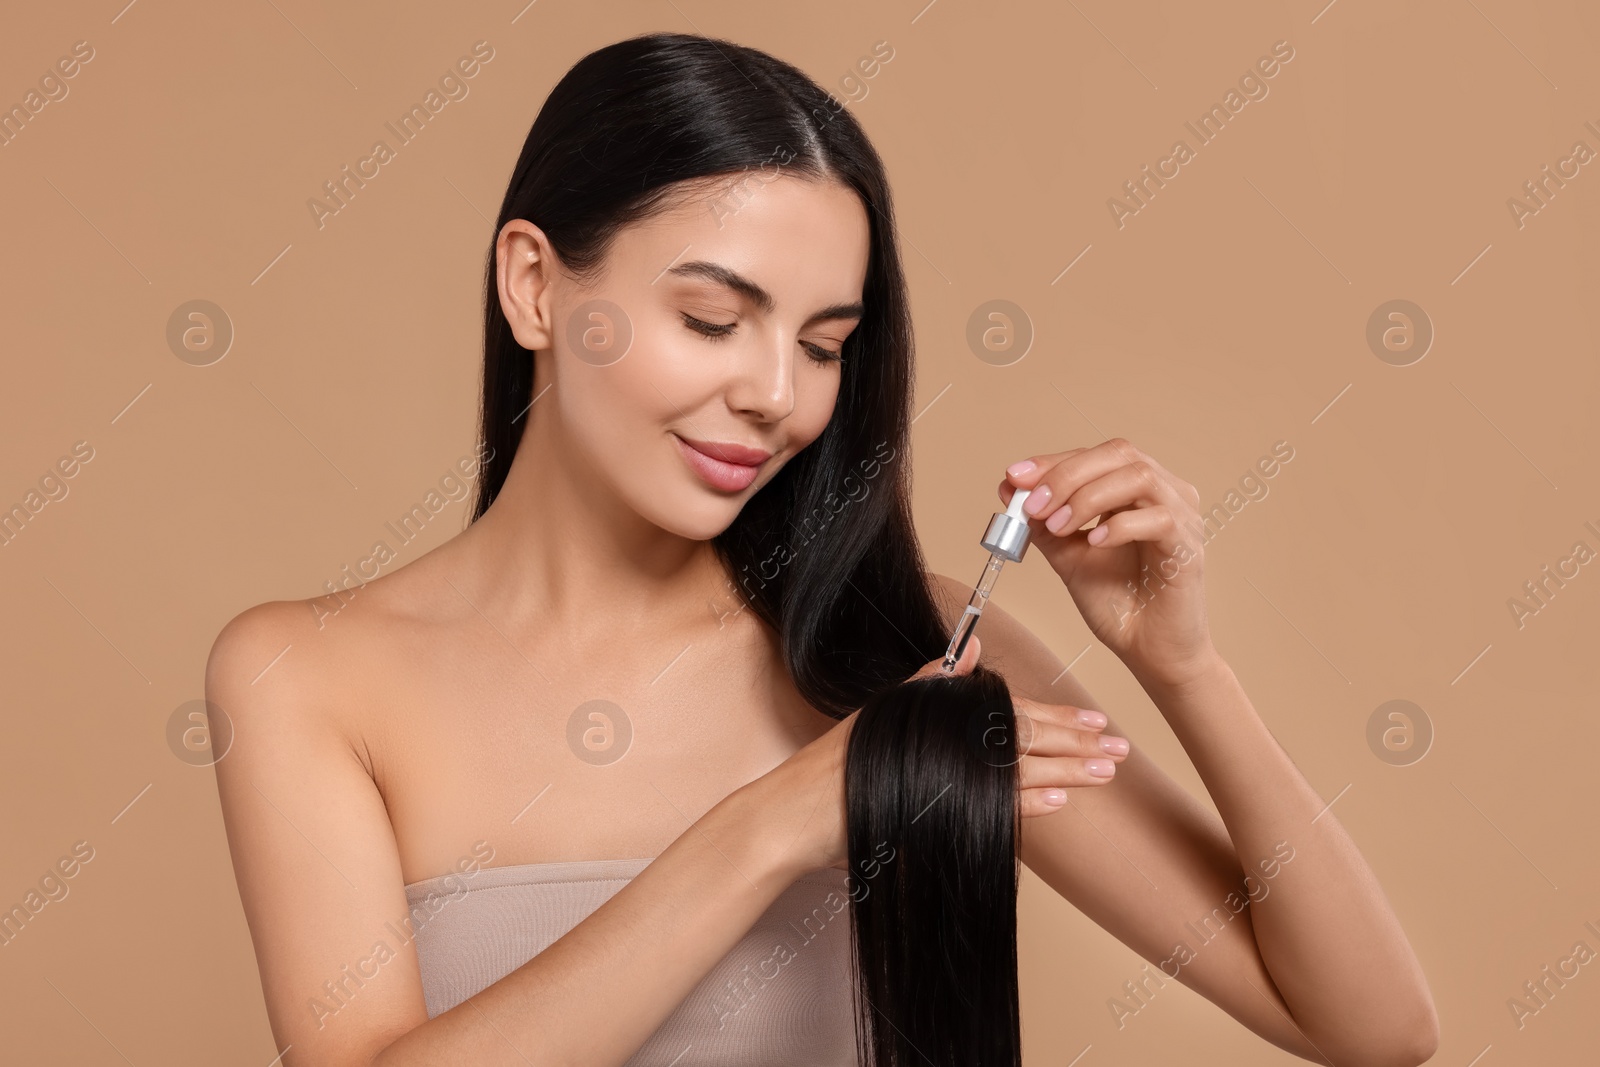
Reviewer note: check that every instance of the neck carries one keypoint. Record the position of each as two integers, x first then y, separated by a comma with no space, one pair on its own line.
559,544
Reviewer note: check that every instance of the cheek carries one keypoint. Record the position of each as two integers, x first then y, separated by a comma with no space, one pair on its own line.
617,414
668,369
644,390
814,402
614,412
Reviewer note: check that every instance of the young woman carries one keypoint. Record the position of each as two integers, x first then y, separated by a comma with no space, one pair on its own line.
568,788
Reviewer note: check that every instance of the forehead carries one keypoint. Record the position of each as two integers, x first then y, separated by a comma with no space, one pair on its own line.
802,240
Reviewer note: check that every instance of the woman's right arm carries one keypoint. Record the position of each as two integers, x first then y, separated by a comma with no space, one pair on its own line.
320,880
597,993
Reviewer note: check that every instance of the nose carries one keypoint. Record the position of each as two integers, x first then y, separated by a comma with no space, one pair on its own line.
762,382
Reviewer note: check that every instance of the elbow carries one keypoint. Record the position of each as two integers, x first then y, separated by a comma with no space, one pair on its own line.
1423,1036
1417,1043
1408,1041
1408,1046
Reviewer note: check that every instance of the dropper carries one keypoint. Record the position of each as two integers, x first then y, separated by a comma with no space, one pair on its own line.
1006,539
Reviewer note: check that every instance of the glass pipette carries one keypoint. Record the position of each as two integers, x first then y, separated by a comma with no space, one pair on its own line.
1006,539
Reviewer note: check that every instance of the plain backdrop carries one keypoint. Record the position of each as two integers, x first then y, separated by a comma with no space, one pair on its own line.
1231,310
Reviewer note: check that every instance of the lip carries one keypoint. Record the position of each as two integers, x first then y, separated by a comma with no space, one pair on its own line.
723,464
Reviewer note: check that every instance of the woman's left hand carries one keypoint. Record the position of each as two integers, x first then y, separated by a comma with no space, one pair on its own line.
1136,576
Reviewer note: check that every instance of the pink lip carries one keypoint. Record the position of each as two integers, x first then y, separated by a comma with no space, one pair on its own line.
723,465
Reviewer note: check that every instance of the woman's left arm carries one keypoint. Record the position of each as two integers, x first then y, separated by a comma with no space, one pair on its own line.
1273,914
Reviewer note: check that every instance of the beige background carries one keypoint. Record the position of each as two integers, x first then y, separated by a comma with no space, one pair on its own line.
1228,314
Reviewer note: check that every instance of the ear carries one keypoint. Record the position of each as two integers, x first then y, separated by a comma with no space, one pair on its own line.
525,265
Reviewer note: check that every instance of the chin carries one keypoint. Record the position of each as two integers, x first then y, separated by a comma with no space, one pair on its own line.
694,513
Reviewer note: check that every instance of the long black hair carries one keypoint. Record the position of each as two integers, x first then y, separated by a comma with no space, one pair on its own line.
931,773
825,553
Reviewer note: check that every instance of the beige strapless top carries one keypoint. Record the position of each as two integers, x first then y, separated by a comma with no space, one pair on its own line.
782,995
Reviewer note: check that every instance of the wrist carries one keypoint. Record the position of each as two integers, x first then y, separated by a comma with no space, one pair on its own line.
1183,683
739,826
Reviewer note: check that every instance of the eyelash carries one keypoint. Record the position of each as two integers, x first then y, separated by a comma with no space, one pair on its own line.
717,331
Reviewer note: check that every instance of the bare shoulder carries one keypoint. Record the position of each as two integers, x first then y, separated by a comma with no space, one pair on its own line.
298,688
325,657
256,630
254,642
272,647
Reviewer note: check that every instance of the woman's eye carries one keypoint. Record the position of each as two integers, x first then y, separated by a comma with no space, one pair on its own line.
716,331
713,330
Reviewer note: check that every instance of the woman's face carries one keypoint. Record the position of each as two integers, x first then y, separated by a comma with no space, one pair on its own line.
706,357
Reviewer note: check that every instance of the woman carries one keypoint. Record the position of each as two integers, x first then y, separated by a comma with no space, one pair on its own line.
565,788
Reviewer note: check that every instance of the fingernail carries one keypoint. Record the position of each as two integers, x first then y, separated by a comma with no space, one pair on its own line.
1101,768
1036,500
1055,797
1089,717
1018,469
1116,746
1057,522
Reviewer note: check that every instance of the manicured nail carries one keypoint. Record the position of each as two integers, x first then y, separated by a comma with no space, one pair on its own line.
1057,522
1091,718
1115,746
1055,797
1021,467
1100,768
1096,535
1037,500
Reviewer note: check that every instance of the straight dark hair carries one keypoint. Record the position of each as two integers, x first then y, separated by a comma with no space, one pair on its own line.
825,553
931,767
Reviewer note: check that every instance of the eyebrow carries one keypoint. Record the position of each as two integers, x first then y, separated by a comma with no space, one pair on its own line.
724,276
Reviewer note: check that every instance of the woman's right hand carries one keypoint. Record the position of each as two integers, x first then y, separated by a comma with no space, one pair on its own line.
799,805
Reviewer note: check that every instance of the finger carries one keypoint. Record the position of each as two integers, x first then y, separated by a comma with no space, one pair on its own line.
1041,465
1070,468
1159,526
1063,772
1137,485
1031,803
1064,714
1057,480
1041,737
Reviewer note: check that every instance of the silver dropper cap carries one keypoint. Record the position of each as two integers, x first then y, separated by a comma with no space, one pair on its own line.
1007,535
